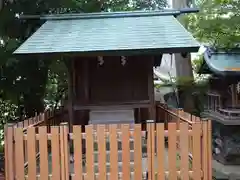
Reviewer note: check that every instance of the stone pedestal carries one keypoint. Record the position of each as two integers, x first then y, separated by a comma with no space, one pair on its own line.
226,143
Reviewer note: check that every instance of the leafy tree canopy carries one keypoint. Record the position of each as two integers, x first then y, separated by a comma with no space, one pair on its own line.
217,23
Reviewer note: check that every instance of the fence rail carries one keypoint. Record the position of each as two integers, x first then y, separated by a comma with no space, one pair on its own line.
176,115
109,152
50,117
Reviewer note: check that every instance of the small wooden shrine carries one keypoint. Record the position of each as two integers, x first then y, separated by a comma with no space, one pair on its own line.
110,58
223,105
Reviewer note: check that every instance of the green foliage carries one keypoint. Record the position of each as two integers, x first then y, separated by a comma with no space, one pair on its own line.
56,87
217,23
8,113
197,63
150,5
189,89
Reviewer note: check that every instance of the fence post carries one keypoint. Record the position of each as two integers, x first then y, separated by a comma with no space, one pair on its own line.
9,151
204,149
64,146
150,149
209,122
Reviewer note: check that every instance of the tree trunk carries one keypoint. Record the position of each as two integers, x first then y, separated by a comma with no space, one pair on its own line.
183,60
178,4
1,4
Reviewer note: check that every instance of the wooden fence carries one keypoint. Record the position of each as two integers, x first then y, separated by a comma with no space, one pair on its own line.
178,116
48,117
175,115
109,152
51,117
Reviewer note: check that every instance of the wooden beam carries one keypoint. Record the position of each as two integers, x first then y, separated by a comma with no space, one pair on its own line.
101,106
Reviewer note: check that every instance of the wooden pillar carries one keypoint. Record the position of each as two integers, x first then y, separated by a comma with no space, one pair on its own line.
220,103
71,87
84,83
211,102
233,89
208,103
235,94
86,80
152,109
215,103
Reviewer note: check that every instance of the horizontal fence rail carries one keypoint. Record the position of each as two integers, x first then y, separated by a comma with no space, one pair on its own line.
109,152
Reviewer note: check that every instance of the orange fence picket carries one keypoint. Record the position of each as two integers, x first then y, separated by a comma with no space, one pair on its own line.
172,151
137,152
101,139
184,141
77,143
55,145
31,144
89,153
113,152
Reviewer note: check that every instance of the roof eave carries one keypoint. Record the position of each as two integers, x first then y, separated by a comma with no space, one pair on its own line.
164,12
217,71
116,52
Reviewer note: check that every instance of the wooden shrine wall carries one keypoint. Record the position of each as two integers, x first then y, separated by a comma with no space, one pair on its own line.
111,81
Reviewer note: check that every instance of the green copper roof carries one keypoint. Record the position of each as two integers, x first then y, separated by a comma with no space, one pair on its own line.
221,63
141,33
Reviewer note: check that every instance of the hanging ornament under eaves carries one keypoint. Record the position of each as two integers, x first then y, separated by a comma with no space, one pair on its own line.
100,60
238,87
123,60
